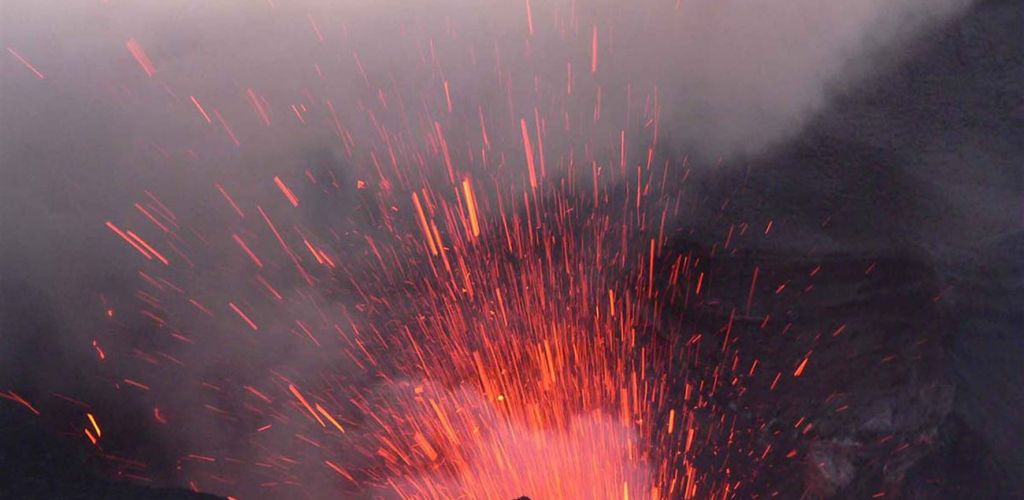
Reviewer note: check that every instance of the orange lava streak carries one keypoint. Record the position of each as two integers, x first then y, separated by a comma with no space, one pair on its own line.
230,200
152,219
25,62
339,470
803,364
295,260
444,150
529,154
421,218
467,190
95,425
529,18
247,250
329,418
140,56
298,395
13,396
243,316
260,109
227,128
136,384
147,246
287,192
447,96
200,108
128,239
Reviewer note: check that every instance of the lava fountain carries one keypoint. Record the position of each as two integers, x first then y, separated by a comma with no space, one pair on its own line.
498,343
464,300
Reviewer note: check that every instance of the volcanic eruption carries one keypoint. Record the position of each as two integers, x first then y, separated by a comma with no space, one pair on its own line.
464,250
